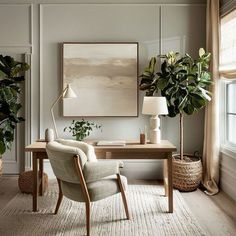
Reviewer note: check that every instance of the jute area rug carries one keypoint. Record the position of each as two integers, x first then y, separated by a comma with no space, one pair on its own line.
147,204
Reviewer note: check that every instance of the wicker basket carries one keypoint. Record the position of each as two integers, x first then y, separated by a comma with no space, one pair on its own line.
187,174
25,182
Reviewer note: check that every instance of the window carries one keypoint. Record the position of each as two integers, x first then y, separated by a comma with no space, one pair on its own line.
228,76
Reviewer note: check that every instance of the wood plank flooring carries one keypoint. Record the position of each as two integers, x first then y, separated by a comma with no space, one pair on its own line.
216,214
8,189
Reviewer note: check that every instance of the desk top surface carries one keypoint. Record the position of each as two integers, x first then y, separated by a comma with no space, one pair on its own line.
163,146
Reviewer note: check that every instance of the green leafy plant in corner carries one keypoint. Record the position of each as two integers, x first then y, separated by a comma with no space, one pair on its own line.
81,129
182,80
11,76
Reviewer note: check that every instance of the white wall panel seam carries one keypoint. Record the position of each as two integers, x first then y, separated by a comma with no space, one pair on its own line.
40,67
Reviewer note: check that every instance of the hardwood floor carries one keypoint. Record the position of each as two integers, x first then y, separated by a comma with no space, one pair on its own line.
216,214
8,189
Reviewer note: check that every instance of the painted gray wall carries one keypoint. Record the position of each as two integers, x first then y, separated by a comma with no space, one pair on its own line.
38,29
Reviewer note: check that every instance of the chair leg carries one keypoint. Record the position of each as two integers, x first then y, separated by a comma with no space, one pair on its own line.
123,197
85,192
60,196
88,217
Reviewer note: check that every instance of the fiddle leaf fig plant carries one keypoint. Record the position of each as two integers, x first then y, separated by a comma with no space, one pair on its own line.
81,129
182,80
11,76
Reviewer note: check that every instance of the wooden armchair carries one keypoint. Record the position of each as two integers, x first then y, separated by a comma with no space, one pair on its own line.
81,177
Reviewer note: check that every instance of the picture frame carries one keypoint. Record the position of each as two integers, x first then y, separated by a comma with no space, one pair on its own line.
104,76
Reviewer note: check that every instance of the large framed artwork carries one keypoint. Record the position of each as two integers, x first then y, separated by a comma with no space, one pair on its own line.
104,77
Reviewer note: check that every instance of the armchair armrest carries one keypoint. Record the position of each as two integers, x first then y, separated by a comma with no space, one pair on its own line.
97,170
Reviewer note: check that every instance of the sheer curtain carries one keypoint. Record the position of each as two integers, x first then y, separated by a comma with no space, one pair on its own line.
211,129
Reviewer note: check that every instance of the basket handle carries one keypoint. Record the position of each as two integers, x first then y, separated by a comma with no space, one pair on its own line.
197,154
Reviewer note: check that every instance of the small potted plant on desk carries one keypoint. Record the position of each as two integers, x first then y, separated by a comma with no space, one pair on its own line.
184,82
81,129
11,76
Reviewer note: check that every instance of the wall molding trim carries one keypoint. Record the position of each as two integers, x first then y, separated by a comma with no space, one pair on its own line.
30,43
16,160
18,49
40,68
28,110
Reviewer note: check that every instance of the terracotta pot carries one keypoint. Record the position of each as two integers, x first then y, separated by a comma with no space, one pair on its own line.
187,173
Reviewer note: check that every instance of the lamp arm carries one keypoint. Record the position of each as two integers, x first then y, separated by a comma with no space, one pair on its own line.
52,113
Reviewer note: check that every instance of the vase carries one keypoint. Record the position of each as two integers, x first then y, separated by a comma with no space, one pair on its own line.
49,135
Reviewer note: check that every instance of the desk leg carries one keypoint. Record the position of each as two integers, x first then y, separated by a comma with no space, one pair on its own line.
41,177
165,177
170,183
108,155
35,181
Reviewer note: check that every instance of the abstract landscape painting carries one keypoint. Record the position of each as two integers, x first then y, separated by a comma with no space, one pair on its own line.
104,77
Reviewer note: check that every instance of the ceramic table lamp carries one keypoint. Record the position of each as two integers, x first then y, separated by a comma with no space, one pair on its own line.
155,106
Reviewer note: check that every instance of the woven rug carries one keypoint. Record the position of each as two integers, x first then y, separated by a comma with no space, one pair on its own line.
148,208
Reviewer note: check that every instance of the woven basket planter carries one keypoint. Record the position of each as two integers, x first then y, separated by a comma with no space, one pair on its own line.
25,182
187,174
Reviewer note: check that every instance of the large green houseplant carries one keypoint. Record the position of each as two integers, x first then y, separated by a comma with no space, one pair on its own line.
184,82
11,75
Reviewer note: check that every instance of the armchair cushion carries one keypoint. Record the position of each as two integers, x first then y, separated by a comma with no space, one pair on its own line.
97,190
86,148
61,159
94,171
106,187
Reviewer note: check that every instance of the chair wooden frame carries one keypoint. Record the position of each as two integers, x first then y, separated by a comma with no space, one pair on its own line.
86,194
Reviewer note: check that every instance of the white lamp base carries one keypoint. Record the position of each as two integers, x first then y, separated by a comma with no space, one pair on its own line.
155,132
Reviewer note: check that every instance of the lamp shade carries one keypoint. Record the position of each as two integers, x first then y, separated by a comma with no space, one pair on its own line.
154,106
69,93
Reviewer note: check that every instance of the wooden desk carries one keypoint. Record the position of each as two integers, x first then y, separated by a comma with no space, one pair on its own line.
161,150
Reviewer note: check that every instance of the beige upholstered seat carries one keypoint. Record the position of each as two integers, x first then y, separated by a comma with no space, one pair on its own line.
81,177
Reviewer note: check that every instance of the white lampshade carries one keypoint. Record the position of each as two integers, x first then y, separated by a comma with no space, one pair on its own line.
69,93
154,106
